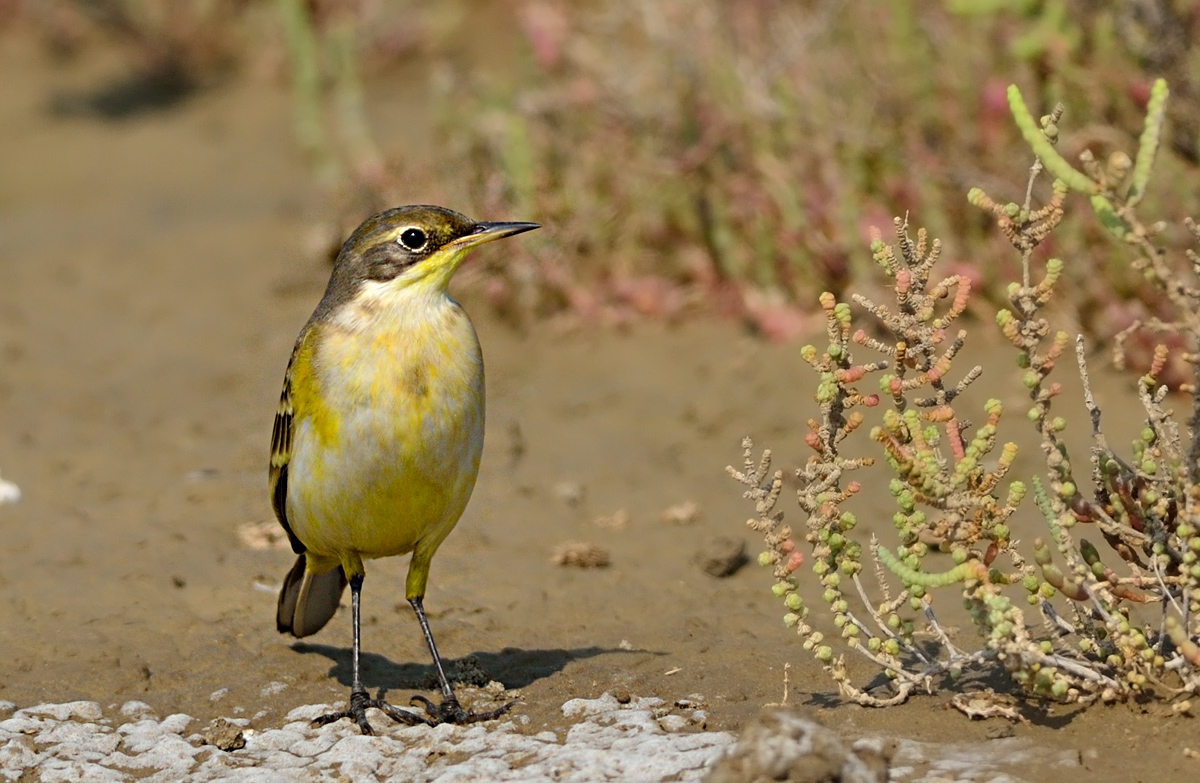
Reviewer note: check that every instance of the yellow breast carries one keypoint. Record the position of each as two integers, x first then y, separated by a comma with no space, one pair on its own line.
388,431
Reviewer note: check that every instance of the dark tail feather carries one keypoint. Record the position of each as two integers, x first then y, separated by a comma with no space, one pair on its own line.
307,600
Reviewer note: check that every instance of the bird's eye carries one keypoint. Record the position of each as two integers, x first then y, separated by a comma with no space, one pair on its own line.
413,238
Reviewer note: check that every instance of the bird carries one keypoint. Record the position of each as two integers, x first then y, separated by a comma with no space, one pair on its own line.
377,440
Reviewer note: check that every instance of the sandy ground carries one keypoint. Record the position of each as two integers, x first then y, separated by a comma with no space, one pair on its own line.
152,281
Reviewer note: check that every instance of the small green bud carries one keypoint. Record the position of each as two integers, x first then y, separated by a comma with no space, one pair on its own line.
824,653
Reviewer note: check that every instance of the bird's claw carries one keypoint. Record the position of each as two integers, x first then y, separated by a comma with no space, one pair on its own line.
449,711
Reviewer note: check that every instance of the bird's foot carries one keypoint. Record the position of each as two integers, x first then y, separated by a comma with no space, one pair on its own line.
449,711
357,711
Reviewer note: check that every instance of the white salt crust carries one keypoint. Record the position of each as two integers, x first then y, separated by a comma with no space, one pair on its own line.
642,741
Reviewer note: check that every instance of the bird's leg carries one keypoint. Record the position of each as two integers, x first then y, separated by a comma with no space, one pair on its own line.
418,605
449,711
360,700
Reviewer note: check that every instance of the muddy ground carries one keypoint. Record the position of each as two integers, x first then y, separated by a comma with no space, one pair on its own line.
153,275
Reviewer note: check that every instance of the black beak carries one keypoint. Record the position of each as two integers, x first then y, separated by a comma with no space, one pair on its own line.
498,230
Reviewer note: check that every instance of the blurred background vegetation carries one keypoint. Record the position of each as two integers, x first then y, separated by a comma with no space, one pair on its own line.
686,155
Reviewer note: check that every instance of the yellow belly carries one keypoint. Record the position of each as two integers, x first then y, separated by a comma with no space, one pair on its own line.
386,451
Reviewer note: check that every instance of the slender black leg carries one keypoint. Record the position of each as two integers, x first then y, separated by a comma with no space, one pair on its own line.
449,711
418,605
360,700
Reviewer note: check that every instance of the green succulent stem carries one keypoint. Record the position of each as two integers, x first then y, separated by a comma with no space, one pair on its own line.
1148,143
1056,164
971,569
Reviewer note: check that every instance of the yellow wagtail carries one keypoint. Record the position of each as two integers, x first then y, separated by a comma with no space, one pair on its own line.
377,440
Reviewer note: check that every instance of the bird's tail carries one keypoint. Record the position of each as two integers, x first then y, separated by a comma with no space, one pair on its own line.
308,600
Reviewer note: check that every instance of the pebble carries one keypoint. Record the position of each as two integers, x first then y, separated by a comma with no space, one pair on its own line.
721,556
9,492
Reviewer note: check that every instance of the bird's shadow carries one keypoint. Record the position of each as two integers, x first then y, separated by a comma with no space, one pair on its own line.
512,667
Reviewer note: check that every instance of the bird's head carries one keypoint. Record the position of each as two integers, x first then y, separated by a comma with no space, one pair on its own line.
412,246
